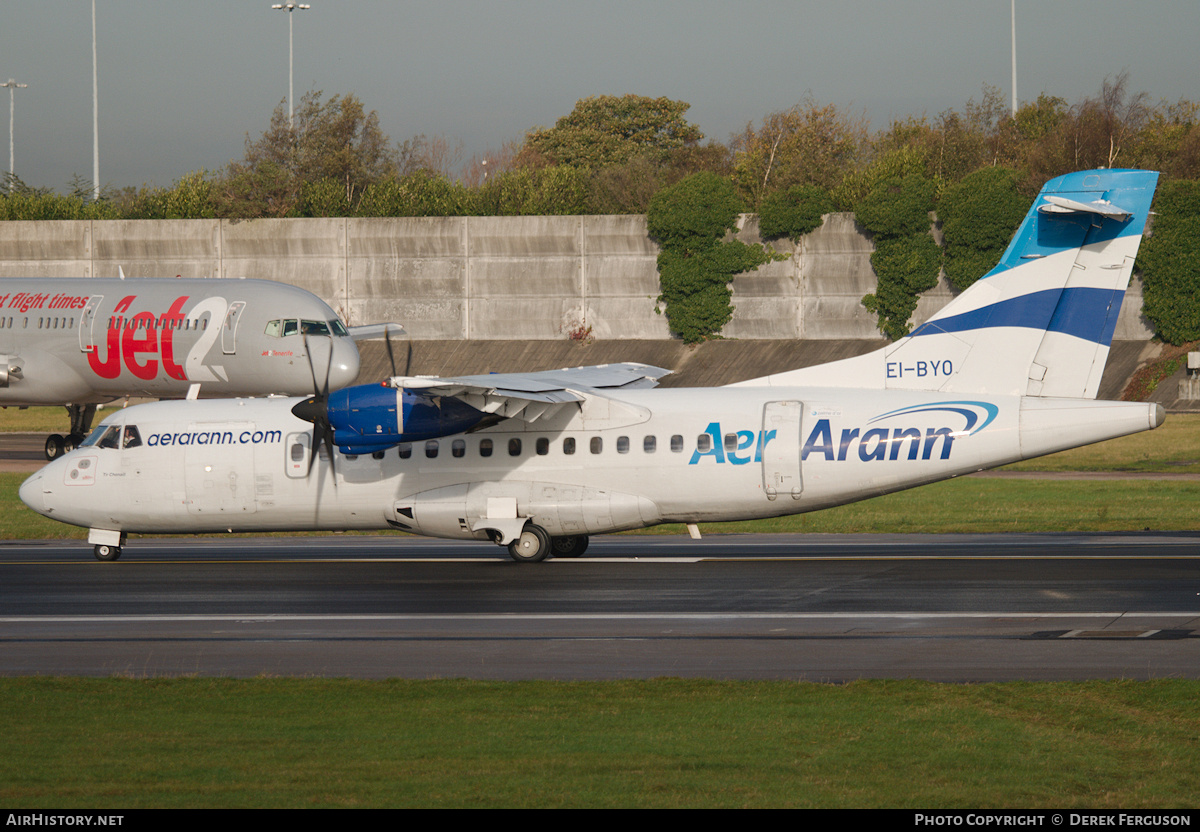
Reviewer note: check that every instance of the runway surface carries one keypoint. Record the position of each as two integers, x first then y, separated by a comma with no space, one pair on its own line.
815,607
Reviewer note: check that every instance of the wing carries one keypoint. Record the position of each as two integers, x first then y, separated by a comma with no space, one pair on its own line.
533,395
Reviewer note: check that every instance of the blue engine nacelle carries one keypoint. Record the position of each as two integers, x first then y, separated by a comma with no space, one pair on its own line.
374,417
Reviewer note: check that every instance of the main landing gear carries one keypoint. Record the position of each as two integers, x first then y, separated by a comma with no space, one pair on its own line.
535,545
81,422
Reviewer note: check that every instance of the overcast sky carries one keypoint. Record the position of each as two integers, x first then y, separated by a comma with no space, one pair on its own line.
182,83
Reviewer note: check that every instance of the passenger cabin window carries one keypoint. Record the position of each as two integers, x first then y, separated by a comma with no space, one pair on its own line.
514,446
677,444
622,444
703,443
569,445
648,444
405,450
543,446
458,448
485,447
597,445
431,449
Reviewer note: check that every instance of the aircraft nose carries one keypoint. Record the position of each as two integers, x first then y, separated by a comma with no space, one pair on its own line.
344,368
31,493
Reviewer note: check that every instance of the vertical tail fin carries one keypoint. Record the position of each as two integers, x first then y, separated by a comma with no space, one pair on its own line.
1041,322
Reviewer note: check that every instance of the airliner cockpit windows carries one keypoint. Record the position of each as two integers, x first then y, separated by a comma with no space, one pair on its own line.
132,438
111,438
282,329
94,437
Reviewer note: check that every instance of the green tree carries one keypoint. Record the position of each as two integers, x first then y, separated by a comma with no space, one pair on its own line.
608,130
335,140
420,194
808,144
558,189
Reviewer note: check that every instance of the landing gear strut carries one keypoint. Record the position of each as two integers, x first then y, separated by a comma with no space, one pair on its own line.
81,422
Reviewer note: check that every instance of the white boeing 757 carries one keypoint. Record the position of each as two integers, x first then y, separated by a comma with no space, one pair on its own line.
538,462
83,342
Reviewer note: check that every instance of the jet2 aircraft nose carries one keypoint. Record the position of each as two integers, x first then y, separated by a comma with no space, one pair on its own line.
341,364
344,369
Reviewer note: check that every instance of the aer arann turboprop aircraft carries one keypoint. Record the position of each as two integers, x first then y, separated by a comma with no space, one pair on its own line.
538,462
83,342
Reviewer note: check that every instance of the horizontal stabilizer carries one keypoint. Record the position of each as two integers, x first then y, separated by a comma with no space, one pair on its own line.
1061,205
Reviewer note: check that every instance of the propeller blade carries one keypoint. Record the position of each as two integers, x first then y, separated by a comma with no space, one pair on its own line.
387,338
316,410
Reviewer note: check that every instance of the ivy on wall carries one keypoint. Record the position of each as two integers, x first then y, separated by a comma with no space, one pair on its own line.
906,258
690,220
1170,263
979,216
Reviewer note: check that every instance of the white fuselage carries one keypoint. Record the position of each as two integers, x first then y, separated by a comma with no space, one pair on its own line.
618,461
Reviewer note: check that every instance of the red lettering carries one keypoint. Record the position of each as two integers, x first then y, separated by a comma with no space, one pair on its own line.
132,345
110,367
170,322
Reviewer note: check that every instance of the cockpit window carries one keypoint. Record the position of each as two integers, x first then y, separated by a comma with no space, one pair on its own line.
111,438
95,435
282,329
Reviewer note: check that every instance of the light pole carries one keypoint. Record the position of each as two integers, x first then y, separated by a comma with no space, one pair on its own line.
289,8
13,86
1014,57
95,113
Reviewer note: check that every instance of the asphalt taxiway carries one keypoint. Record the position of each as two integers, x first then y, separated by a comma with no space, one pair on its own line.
815,607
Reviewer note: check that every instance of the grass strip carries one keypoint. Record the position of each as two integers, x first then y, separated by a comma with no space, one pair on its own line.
129,743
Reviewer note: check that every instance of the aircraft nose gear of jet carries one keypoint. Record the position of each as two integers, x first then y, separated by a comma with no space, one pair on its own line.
532,546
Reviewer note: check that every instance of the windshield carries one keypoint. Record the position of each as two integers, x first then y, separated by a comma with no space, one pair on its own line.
284,328
110,436
95,435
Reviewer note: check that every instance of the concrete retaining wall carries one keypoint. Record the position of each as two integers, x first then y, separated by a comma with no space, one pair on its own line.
486,278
